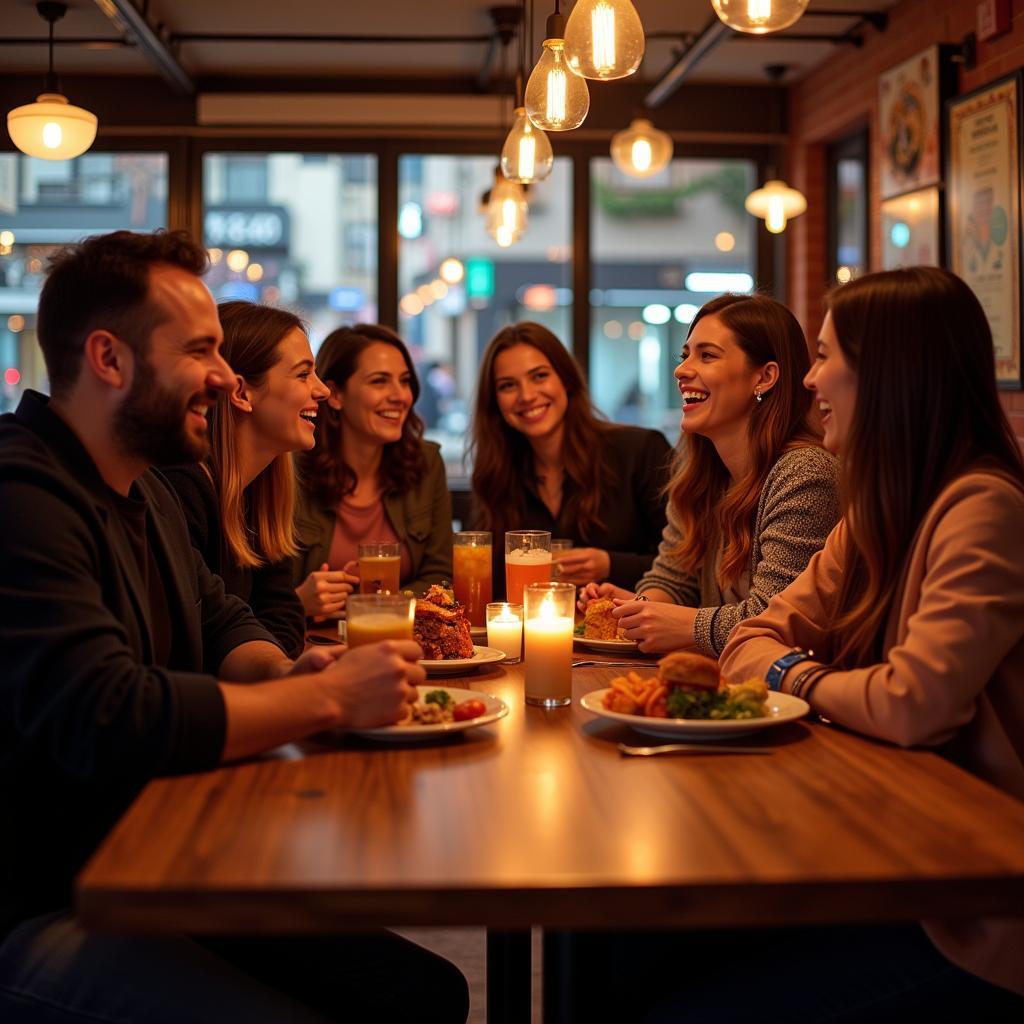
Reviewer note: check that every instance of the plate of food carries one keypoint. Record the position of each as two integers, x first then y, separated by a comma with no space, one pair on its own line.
442,629
599,631
439,712
451,666
689,700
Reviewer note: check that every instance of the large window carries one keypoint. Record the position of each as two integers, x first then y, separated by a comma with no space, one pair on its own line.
847,193
294,229
661,247
46,204
448,325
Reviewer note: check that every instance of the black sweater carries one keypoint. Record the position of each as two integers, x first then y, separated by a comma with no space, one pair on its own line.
267,590
86,717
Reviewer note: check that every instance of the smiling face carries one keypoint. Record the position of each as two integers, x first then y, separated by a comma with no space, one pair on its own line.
717,382
162,418
375,401
531,396
835,388
284,406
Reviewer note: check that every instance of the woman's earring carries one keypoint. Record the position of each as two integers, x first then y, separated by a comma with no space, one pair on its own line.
757,395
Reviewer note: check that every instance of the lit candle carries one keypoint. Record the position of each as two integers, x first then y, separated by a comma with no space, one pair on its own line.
505,629
549,626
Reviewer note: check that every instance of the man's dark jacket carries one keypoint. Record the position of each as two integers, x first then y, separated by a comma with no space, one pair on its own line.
86,718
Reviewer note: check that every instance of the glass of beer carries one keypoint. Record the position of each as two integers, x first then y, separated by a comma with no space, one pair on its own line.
471,573
550,609
373,617
380,566
527,560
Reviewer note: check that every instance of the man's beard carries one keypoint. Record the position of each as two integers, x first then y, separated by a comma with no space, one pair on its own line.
150,422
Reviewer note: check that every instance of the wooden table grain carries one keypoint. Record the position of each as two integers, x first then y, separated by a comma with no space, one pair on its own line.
538,820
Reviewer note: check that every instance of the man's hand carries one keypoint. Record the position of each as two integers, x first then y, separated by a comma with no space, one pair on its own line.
371,684
323,593
316,659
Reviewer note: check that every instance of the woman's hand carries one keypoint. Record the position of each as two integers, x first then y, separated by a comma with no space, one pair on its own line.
581,565
596,591
323,593
655,626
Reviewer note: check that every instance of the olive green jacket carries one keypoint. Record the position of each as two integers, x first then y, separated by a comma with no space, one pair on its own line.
422,518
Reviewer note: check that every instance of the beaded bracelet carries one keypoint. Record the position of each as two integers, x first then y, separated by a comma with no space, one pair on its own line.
807,679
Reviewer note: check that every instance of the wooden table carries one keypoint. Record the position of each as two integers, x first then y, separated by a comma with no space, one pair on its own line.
538,820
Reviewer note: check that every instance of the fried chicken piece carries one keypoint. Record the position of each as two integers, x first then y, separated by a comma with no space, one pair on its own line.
599,623
441,627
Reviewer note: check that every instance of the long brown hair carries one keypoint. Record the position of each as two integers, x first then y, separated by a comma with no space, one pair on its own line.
503,458
324,471
710,509
927,409
252,334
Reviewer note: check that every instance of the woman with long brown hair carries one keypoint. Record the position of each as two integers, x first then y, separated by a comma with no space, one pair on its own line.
543,460
909,625
753,495
371,477
240,502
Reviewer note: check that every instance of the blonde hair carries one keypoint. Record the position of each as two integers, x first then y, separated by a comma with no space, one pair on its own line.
259,517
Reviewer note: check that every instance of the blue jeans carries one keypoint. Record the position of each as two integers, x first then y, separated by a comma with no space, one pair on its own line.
53,971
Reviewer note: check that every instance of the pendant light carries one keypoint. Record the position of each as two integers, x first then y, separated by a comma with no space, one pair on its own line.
776,203
759,16
506,210
51,128
526,156
641,150
557,100
604,39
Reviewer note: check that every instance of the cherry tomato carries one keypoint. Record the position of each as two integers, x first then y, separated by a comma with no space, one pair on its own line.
468,709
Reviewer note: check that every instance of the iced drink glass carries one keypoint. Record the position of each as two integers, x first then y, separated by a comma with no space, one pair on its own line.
527,560
380,567
471,573
373,617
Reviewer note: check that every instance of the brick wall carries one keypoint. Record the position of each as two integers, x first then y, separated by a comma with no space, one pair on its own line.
842,96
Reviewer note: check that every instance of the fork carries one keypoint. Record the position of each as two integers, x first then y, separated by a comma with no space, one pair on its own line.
615,664
690,748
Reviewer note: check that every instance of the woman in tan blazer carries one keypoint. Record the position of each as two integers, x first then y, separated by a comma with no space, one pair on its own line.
370,477
914,609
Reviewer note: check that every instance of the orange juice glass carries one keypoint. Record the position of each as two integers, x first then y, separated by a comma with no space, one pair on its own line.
380,568
527,560
471,573
374,617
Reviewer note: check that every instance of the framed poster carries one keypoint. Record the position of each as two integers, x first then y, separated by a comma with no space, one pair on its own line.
983,210
910,98
912,229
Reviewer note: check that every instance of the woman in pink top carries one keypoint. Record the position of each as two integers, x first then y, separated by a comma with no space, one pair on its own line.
914,609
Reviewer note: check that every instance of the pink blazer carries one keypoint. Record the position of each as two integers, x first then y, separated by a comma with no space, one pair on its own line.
953,668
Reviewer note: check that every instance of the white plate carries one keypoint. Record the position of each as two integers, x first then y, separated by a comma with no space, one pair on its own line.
496,708
450,666
782,708
606,646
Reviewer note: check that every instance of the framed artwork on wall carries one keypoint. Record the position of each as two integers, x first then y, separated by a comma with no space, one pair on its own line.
910,98
983,210
912,229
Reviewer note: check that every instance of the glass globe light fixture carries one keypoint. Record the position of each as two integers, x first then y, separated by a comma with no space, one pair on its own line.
506,211
641,150
759,16
604,39
526,156
776,203
557,100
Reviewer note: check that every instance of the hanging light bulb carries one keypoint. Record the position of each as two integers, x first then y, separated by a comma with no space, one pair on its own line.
759,16
526,156
776,203
641,150
557,100
506,211
604,39
51,128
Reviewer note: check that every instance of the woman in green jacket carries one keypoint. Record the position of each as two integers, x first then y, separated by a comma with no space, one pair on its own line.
370,477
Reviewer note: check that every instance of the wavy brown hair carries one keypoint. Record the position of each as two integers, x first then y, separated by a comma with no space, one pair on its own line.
927,410
712,509
264,510
503,458
323,471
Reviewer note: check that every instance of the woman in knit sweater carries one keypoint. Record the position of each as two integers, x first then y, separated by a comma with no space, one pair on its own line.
753,494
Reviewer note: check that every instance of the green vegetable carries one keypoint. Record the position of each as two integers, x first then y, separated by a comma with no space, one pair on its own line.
580,630
695,703
442,697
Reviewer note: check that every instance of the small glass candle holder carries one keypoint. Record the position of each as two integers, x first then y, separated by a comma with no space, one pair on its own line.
505,630
471,573
549,631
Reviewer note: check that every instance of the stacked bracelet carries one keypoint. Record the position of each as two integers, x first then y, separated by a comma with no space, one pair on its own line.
807,679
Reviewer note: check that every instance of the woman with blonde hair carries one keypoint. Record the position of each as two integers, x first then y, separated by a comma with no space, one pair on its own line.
240,502
371,477
544,460
753,495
